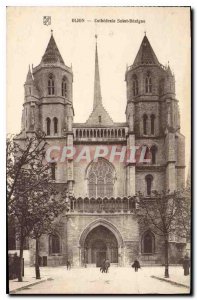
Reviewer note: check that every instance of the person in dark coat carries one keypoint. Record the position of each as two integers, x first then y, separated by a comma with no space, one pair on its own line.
107,265
186,265
103,267
68,264
136,265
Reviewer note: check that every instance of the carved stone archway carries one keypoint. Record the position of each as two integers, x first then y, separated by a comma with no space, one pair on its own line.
114,245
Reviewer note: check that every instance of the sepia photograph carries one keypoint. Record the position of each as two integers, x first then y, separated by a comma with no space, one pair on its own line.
98,144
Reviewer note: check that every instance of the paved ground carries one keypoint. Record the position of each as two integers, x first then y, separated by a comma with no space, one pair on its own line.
91,281
176,274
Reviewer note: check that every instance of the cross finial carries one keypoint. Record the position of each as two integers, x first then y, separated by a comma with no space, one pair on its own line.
96,36
51,32
145,32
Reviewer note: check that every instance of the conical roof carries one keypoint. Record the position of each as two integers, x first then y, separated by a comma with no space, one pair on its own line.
145,54
29,78
169,70
30,82
52,54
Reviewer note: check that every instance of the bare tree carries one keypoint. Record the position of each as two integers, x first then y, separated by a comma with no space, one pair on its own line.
47,210
184,214
28,153
160,213
28,187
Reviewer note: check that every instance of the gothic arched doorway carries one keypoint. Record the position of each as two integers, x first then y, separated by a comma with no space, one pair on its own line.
100,243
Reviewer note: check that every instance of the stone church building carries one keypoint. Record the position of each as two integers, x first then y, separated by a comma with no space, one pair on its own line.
102,220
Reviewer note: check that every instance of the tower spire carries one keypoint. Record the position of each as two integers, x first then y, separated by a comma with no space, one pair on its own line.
146,55
97,86
29,78
52,54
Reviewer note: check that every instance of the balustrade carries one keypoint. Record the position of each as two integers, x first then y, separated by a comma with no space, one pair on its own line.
100,133
102,205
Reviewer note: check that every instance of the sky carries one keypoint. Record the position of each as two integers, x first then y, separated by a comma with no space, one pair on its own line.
168,30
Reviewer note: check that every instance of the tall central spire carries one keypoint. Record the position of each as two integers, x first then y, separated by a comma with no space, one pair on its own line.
97,86
99,115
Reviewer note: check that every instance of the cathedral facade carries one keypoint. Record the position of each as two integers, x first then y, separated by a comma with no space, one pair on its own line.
102,220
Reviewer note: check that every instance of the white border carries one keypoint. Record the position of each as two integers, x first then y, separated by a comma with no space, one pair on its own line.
3,4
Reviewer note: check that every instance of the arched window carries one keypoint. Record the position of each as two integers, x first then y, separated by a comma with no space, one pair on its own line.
51,85
64,87
101,179
135,85
145,118
149,179
55,123
152,120
153,151
148,83
148,243
54,244
48,121
146,154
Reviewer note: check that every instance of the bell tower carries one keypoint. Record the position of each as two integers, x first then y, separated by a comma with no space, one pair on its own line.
152,114
54,81
48,104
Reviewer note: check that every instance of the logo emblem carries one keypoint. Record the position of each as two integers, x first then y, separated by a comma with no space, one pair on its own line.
47,20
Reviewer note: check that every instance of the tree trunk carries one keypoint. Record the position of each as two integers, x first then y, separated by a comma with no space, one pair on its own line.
66,239
166,275
20,269
37,268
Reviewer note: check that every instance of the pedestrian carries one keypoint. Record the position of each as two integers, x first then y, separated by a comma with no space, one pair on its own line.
102,268
107,265
186,265
136,265
68,264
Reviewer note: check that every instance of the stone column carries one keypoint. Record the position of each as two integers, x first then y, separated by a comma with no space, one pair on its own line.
89,250
121,205
123,256
170,162
80,256
130,169
108,251
69,164
119,256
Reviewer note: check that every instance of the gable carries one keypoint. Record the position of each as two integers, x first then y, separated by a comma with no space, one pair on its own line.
99,112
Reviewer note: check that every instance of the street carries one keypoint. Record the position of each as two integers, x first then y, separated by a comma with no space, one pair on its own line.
91,281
